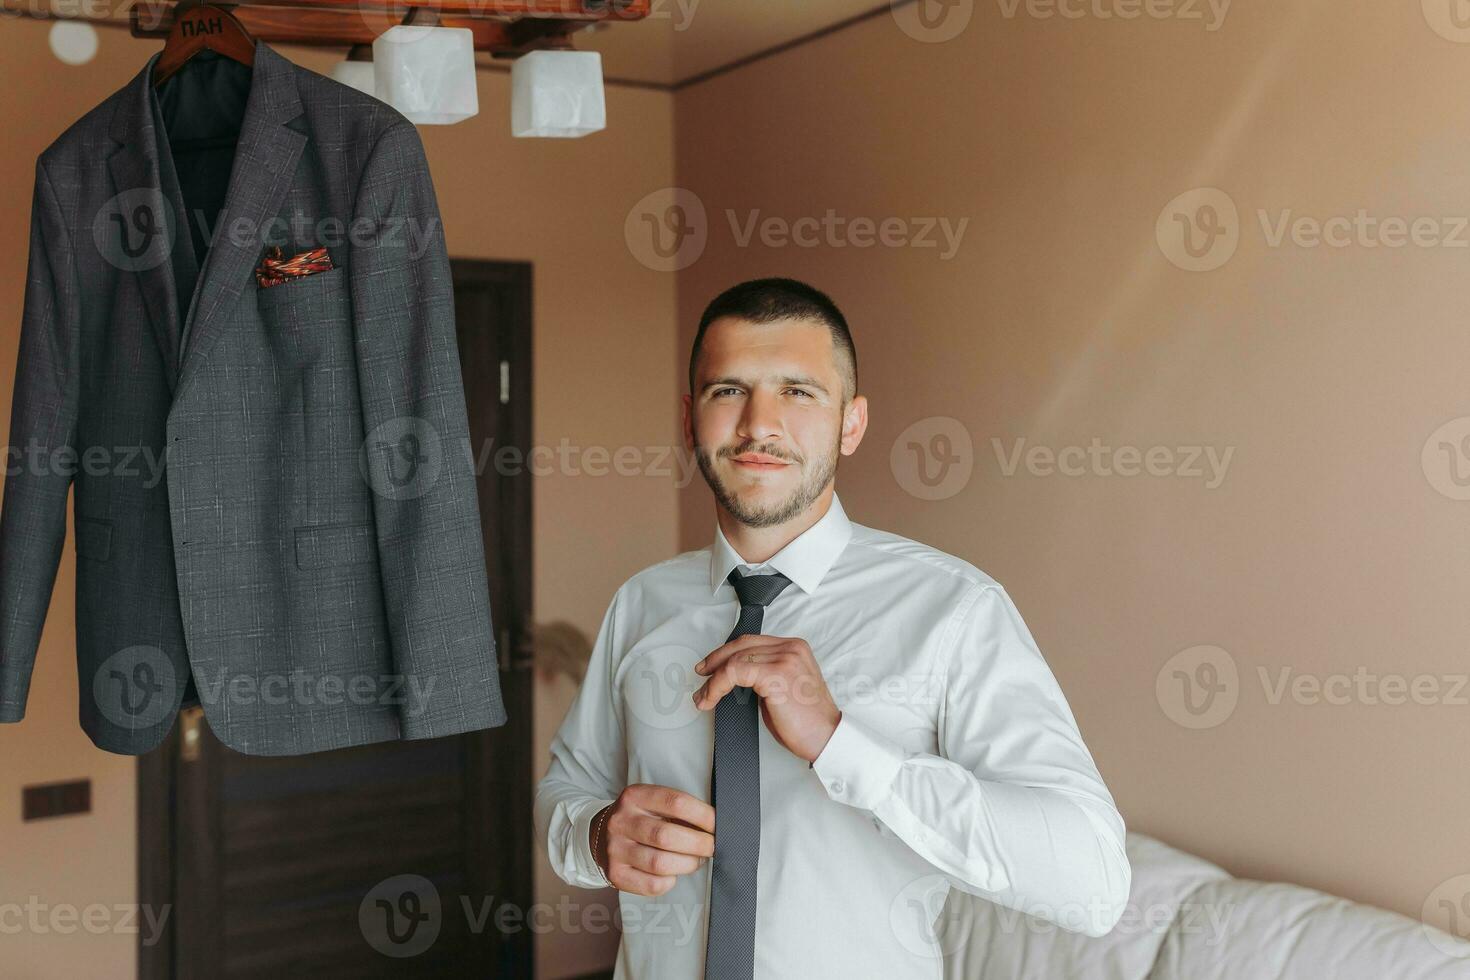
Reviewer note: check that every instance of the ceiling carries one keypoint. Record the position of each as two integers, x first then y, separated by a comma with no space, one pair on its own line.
683,39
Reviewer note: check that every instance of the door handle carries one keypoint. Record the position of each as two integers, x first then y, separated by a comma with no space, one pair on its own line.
190,722
515,650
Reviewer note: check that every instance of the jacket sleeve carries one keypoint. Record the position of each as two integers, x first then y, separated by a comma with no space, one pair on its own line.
416,448
1013,809
41,457
589,766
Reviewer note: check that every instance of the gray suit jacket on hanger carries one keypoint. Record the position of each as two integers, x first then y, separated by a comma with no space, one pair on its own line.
275,508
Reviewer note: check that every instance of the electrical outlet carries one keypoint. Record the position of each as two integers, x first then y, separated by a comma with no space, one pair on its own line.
56,799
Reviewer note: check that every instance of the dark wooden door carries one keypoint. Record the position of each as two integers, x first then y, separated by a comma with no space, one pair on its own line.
395,859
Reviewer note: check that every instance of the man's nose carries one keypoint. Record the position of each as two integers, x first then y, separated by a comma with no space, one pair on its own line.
762,416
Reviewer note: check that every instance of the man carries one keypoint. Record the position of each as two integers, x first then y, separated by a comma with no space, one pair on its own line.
907,735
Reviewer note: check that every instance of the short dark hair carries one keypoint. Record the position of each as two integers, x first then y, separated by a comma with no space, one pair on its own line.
769,300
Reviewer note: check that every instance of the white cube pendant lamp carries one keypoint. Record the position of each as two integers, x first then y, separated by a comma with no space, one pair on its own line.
557,93
427,73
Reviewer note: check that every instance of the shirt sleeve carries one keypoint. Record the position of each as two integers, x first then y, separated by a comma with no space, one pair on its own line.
1012,809
589,766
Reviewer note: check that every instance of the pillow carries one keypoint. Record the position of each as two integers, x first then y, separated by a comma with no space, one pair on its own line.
1275,931
981,939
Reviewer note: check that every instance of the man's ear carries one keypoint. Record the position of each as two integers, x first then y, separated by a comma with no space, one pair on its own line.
854,424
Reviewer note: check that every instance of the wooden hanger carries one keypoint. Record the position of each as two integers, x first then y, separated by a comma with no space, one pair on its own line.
199,27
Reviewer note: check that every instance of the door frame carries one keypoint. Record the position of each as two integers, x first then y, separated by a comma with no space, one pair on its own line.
491,779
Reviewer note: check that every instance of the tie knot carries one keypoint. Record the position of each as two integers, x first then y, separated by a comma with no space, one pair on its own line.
757,590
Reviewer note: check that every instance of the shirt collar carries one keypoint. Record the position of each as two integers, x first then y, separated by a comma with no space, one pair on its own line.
804,560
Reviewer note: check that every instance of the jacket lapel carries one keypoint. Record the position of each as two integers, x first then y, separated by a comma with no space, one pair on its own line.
265,161
135,173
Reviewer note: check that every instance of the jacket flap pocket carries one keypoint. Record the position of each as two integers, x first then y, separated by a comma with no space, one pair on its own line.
334,544
93,538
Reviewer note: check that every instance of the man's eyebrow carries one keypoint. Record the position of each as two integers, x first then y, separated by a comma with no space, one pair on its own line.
802,381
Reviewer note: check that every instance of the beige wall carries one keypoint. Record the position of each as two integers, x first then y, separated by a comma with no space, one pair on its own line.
1326,549
557,203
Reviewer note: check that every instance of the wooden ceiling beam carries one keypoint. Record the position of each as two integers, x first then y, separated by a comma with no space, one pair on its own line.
585,10
501,27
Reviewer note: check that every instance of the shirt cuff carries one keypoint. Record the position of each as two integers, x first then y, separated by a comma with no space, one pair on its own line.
587,866
858,766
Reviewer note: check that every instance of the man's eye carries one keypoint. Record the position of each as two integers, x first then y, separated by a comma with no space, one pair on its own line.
800,391
721,391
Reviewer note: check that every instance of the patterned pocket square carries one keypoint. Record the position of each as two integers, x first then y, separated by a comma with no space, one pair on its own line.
275,269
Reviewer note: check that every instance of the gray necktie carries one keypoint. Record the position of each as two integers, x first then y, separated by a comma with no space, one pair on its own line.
736,776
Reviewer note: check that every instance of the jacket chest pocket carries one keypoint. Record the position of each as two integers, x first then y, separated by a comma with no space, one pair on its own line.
309,318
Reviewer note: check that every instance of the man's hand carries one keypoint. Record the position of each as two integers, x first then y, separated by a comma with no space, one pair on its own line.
653,835
795,702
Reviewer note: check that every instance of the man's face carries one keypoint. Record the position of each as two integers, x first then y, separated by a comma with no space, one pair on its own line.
766,420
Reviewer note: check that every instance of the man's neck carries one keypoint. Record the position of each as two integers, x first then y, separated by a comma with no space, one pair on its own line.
757,544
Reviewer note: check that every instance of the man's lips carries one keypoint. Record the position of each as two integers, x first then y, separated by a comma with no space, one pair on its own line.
759,461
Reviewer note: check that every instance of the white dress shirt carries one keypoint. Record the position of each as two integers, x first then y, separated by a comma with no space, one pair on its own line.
957,761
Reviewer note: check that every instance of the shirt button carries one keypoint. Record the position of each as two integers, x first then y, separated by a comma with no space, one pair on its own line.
837,786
